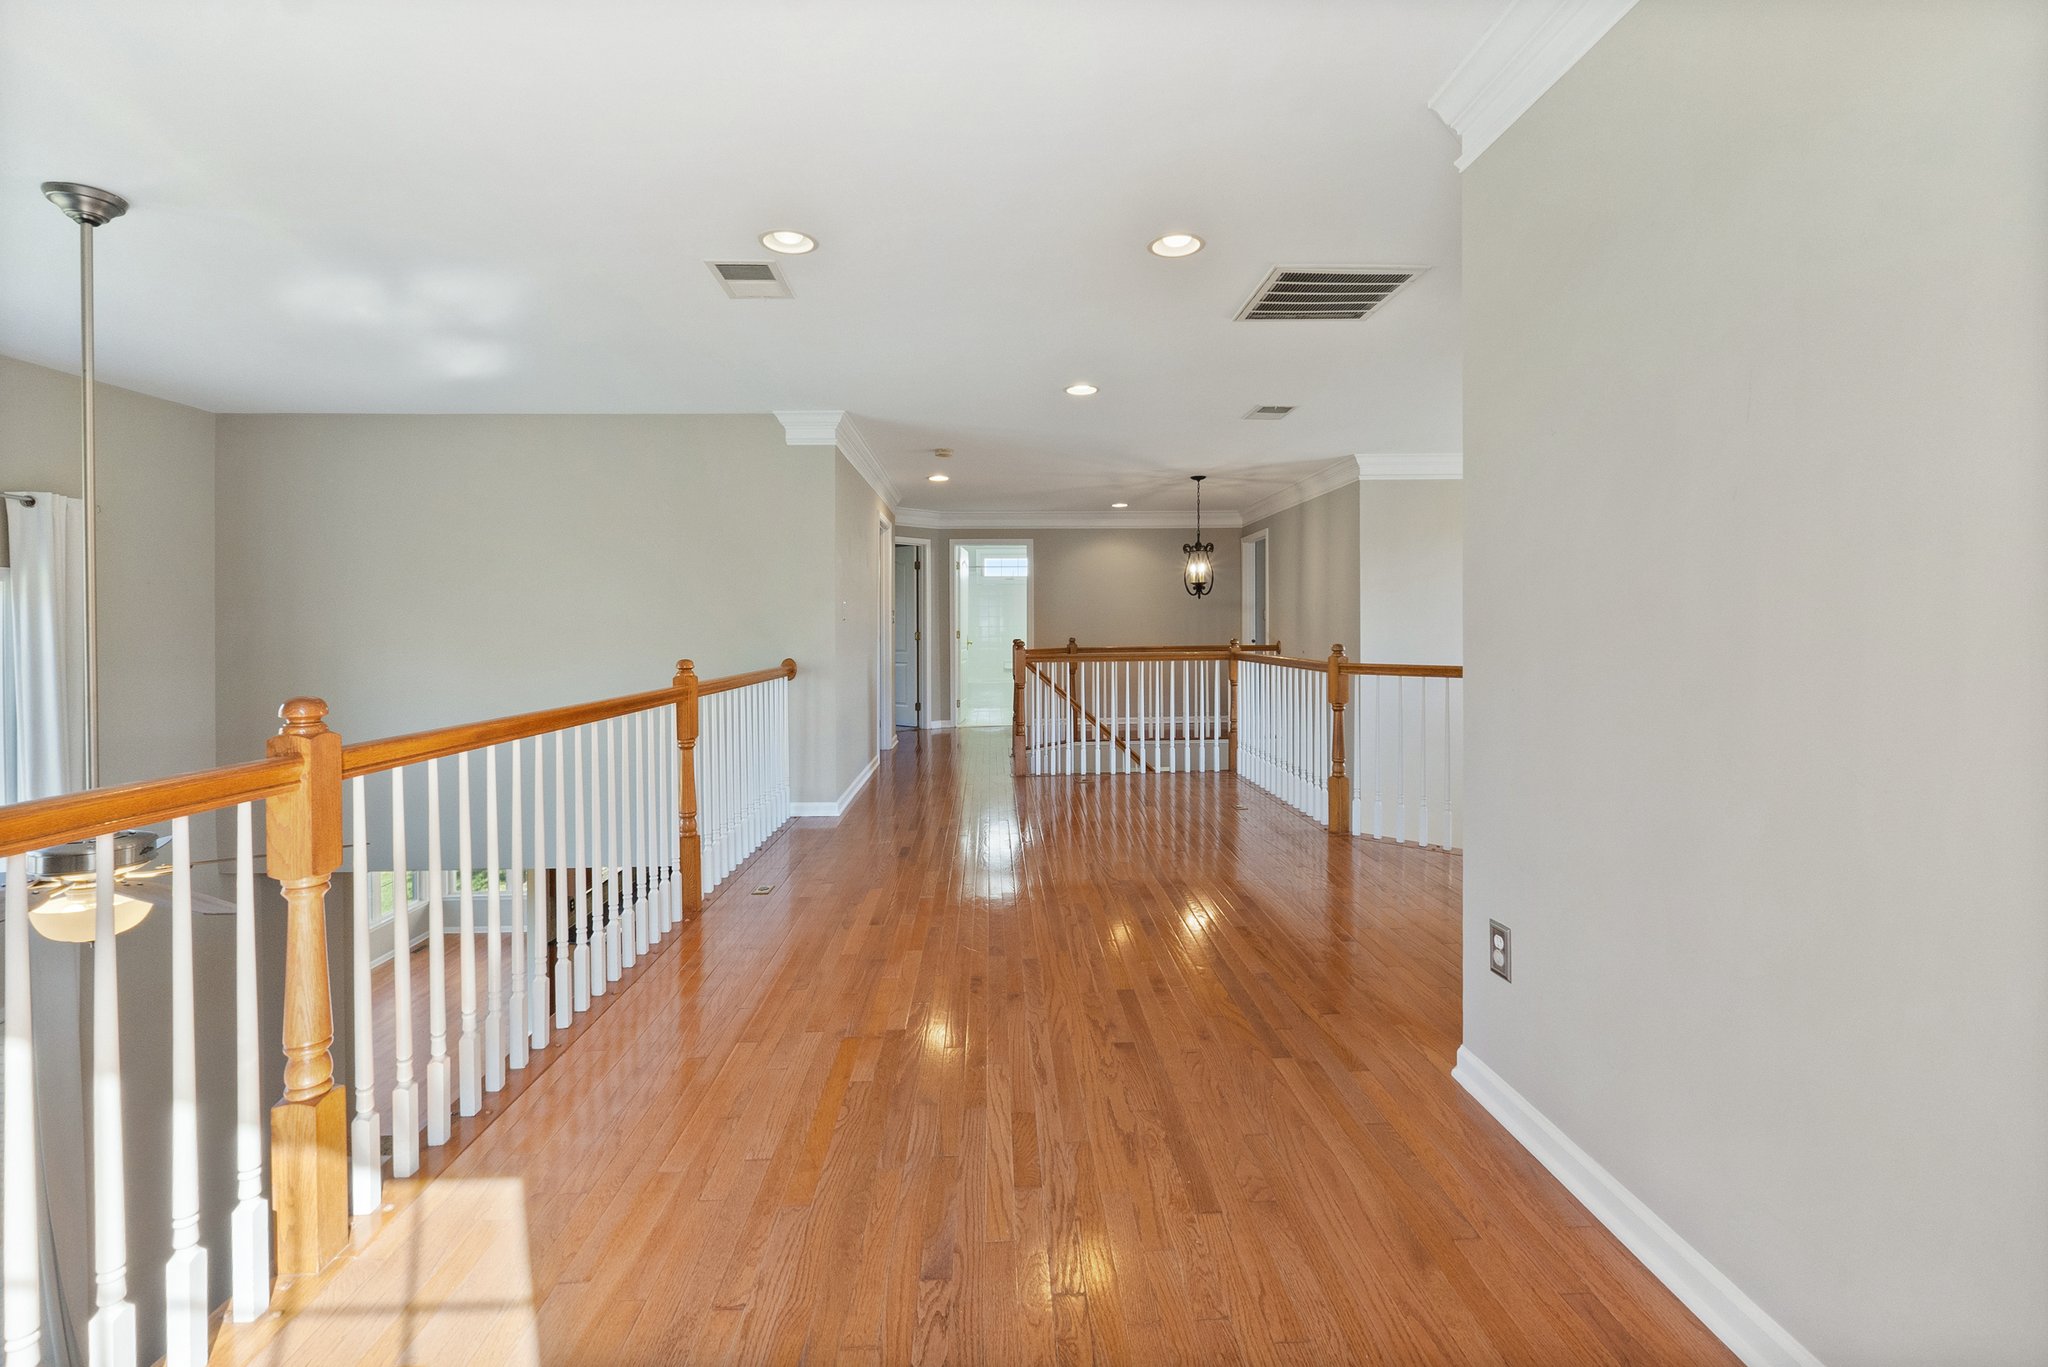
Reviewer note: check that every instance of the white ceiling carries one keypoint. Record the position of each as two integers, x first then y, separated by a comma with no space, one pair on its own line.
506,207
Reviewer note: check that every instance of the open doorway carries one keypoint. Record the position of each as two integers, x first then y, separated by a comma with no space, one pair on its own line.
1253,629
991,608
907,634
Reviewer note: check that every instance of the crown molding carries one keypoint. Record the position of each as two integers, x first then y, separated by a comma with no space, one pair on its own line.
1434,465
1011,521
836,427
1531,45
1352,469
1323,481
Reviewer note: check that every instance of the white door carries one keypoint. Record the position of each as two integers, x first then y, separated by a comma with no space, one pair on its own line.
907,634
991,608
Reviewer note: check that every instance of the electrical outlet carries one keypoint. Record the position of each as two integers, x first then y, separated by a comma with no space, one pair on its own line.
1500,950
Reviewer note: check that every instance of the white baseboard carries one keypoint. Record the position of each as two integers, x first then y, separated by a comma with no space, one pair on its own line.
846,798
938,725
1735,1319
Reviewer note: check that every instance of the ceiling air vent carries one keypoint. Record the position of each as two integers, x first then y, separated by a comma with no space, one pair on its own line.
1270,412
750,279
1325,291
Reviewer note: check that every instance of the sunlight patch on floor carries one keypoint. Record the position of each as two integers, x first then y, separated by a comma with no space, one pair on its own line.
446,1280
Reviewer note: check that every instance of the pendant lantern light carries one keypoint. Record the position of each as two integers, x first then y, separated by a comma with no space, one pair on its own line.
1199,575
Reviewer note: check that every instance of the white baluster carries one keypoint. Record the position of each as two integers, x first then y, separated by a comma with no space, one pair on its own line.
519,1012
111,1331
468,1053
440,1069
365,1138
406,1117
1400,758
1454,763
636,831
185,1298
622,905
21,1263
494,945
564,966
582,957
650,794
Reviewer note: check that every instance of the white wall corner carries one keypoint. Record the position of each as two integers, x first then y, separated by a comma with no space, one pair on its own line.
1734,1318
1301,491
1433,465
836,427
1531,45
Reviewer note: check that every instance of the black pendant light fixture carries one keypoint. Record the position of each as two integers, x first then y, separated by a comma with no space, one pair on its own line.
1199,575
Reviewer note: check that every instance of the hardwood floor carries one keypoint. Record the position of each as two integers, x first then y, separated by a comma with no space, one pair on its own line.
1137,1069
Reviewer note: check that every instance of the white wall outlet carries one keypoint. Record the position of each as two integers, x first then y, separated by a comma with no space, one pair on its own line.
1500,950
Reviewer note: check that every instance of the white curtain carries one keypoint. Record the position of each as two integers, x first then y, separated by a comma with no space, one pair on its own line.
42,649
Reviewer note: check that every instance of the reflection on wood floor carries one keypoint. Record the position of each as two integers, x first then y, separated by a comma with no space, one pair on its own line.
1136,1069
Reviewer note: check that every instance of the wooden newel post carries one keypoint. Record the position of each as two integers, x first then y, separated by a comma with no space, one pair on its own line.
1230,721
1018,763
689,843
309,1125
1340,781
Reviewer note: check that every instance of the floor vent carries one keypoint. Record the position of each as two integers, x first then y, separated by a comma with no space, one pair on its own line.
1325,291
1270,412
750,279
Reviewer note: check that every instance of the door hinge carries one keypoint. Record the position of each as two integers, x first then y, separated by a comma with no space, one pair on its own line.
917,707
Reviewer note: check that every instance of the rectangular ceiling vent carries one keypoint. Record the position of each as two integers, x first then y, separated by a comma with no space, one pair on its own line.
750,279
1270,412
1325,291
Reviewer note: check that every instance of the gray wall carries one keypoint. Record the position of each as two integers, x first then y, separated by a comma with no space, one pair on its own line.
858,515
1102,587
1411,571
156,537
1312,561
1757,630
420,571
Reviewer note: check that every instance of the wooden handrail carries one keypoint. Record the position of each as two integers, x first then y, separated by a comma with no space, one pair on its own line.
1406,671
1041,654
37,825
374,756
785,670
1286,661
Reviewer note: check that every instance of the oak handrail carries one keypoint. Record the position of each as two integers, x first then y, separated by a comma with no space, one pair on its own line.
39,824
785,670
392,752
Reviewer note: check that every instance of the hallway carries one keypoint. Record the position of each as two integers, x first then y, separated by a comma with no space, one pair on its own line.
1116,1070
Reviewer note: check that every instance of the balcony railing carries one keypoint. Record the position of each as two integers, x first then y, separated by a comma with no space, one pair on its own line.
1366,749
602,825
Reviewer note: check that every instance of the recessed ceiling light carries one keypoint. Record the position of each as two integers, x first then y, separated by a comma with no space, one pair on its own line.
1176,244
794,243
1081,390
1119,505
938,479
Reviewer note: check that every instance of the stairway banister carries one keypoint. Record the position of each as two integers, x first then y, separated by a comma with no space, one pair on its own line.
43,822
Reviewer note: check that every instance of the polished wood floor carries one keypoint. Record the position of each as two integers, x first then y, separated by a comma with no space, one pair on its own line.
1136,1069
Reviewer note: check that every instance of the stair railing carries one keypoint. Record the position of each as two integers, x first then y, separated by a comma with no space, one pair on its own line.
1370,749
